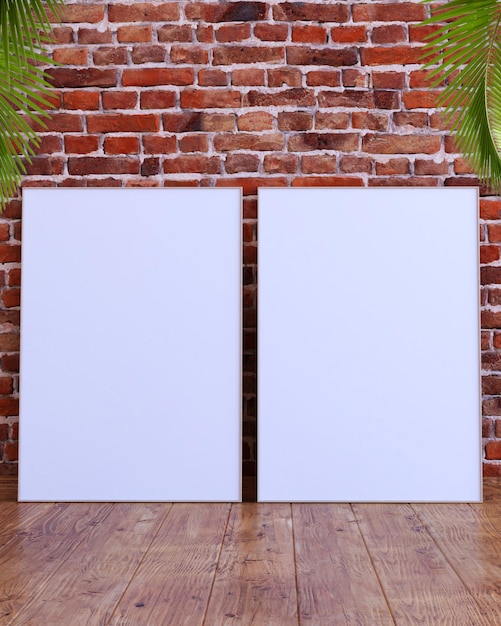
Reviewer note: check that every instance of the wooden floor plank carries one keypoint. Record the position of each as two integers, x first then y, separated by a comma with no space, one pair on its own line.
255,581
29,561
469,537
16,517
419,584
89,584
173,584
336,581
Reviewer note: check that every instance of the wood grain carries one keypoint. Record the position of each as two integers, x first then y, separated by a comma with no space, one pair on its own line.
173,584
420,585
89,583
29,561
455,526
255,582
336,581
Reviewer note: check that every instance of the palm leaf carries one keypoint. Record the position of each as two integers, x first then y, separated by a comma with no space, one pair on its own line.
24,87
465,50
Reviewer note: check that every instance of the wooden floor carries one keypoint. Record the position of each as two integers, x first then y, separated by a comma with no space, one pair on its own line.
265,564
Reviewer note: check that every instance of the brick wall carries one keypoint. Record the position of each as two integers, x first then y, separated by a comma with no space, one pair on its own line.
245,94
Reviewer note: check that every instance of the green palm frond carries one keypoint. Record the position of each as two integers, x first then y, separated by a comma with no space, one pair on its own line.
465,50
24,89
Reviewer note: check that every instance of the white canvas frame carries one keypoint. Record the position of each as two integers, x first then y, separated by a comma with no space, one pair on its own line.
368,345
131,345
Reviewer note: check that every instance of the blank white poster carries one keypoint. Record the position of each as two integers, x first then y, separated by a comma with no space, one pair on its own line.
368,350
131,345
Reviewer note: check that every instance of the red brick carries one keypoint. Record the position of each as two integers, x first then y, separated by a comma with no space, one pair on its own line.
212,78
10,363
82,166
393,167
92,35
385,99
11,449
306,55
493,450
49,144
9,342
11,297
233,32
304,142
148,54
490,209
88,77
296,96
205,34
45,166
255,121
158,144
223,12
309,34
296,120
489,254
328,181
243,141
144,12
70,56
318,164
487,423
421,78
311,12
355,164
400,144
150,76
491,406
406,181
497,429
384,12
462,166
490,319
422,99
252,77
60,123
62,35
119,99
5,233
84,100
192,164
388,34
370,121
121,145
75,13
280,77
236,163
324,78
10,254
229,55
134,34
494,298
122,123
354,78
6,385
170,32
491,470
414,119
198,121
191,54
271,32
81,144
494,231
194,143
391,55
349,34
158,99
281,163
208,99
388,80
14,276
110,55
428,167
346,98
149,167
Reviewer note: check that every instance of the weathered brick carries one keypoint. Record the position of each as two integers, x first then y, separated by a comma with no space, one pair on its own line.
252,77
77,13
84,100
81,144
324,78
255,121
92,35
355,164
331,121
413,119
296,120
222,12
150,76
370,121
110,55
311,12
82,166
281,163
71,56
281,77
212,78
400,144
209,99
306,55
121,145
148,54
198,121
271,32
88,77
248,141
391,55
172,32
229,55
233,32
309,34
304,142
159,144
328,181
144,12
420,99
296,96
489,254
236,163
347,98
122,123
385,12
192,164
349,34
393,167
158,99
388,34
133,33
250,186
318,164
119,99
191,54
